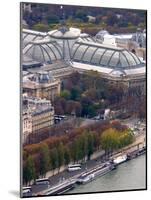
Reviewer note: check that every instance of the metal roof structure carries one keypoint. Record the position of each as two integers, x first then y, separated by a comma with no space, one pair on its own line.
30,35
104,56
65,33
81,51
43,51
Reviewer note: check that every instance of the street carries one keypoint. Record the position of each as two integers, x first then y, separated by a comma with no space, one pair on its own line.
97,159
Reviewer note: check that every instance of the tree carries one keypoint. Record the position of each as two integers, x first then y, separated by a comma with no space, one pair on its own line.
76,151
29,170
90,145
73,151
91,111
75,93
118,126
44,159
123,22
60,105
85,144
54,158
67,155
70,107
109,140
126,138
41,27
92,93
52,19
111,18
81,14
65,94
58,109
85,102
80,148
112,139
78,109
60,150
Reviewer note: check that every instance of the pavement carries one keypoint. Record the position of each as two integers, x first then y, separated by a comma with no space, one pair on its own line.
65,175
62,176
97,158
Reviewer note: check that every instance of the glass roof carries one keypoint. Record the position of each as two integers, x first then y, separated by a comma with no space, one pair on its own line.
44,52
39,47
102,55
29,36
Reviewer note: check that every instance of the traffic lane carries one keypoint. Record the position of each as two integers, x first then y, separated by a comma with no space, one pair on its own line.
28,194
58,178
39,188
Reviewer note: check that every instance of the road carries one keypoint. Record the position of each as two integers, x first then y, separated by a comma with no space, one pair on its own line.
65,175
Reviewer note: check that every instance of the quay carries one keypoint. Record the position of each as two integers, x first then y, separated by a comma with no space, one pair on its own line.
79,179
90,174
60,188
96,172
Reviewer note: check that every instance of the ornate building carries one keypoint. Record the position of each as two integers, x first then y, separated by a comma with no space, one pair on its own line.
115,64
111,56
38,115
41,85
26,124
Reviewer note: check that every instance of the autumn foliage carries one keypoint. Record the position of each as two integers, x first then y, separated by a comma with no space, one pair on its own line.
75,146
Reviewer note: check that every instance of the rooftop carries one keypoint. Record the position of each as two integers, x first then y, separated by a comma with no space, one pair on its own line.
39,77
81,50
65,33
32,32
29,62
36,105
42,51
104,55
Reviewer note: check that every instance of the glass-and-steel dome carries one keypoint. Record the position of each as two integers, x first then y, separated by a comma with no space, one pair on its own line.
65,33
44,51
82,50
104,56
86,37
30,36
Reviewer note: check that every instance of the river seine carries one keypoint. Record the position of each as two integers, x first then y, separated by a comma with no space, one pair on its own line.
127,176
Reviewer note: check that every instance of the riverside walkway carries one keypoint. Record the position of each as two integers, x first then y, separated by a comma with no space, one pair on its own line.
69,178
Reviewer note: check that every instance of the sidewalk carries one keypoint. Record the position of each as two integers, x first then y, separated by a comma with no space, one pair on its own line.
97,154
96,159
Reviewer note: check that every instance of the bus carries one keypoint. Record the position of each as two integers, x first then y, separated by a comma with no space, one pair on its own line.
74,167
26,190
42,181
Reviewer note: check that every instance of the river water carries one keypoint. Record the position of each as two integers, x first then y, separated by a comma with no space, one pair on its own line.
129,175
